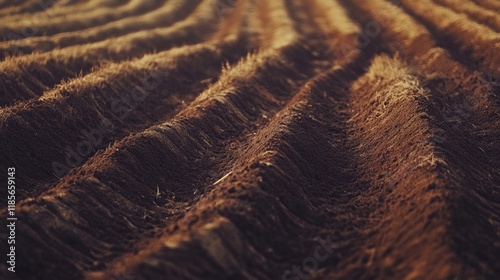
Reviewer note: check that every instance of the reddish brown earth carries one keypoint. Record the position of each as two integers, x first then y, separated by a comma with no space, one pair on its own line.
251,139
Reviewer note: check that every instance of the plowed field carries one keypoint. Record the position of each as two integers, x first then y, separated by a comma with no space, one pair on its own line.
250,139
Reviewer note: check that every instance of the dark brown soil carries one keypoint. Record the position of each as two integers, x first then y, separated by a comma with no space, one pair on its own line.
253,139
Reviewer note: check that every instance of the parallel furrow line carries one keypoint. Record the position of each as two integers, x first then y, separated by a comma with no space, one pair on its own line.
489,4
60,10
265,218
99,108
470,42
49,26
164,143
475,12
29,76
164,16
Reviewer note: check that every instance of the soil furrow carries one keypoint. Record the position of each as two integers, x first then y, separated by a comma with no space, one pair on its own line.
210,105
208,126
169,135
475,12
463,112
250,139
467,129
278,26
59,8
401,165
26,7
51,26
470,42
418,48
103,106
489,4
240,156
337,28
271,199
166,15
8,8
29,76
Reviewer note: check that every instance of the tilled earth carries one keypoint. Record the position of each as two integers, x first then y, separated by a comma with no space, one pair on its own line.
252,139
